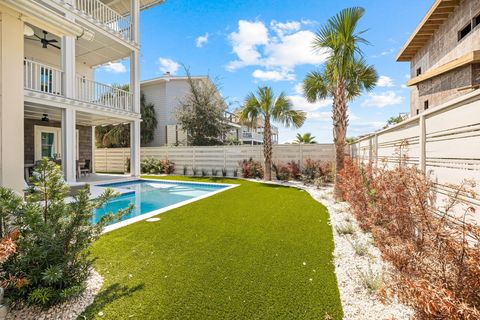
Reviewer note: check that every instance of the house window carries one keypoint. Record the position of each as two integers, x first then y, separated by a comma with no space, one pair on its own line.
419,71
425,105
476,21
463,33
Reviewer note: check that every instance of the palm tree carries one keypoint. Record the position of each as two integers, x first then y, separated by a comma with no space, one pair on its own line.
305,138
345,75
266,107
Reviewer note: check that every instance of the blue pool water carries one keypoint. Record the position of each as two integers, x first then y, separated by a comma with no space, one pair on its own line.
149,195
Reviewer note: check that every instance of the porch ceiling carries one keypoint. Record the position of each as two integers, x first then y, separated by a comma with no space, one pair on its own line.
83,118
100,50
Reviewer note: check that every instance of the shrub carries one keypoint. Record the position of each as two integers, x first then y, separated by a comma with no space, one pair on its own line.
185,170
317,172
345,228
155,166
224,172
204,173
360,249
435,259
235,172
195,171
290,171
214,172
372,281
54,238
251,169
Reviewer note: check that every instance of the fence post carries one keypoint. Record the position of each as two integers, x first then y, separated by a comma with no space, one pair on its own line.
422,141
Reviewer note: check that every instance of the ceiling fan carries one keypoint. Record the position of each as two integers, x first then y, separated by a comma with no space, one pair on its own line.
44,41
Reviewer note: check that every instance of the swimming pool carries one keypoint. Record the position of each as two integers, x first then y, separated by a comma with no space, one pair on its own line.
151,197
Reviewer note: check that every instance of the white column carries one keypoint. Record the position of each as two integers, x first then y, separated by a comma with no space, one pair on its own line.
11,103
423,144
94,147
68,61
135,148
69,137
135,20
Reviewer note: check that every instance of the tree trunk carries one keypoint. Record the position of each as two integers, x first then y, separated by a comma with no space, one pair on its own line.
267,149
340,123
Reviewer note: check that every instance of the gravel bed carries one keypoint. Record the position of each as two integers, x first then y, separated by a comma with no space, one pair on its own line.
358,302
67,310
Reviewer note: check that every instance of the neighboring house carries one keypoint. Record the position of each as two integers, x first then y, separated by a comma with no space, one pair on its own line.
166,92
50,102
444,54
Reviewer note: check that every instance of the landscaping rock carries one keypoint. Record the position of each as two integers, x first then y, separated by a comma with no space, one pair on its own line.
358,302
67,310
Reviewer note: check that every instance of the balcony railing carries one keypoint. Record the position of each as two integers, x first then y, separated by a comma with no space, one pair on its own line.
231,117
102,94
47,79
42,78
252,136
102,13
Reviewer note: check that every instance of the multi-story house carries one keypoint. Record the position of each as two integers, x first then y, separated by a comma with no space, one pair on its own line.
50,102
166,93
444,54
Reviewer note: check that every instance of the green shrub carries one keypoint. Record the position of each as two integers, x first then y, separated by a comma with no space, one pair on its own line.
204,173
224,172
317,172
214,172
372,281
52,249
345,228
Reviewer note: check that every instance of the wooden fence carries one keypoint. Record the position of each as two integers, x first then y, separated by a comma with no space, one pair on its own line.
444,141
217,157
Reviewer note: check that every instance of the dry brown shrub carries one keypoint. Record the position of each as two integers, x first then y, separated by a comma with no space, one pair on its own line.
436,260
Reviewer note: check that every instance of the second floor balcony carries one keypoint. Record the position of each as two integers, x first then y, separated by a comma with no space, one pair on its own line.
42,78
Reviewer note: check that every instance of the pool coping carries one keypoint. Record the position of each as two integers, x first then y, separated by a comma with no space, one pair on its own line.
156,212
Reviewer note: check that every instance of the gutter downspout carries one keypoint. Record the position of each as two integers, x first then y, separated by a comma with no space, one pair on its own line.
36,11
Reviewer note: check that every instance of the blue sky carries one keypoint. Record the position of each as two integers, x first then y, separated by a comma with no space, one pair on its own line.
248,43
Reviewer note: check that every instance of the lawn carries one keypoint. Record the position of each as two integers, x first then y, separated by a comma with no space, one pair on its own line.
257,251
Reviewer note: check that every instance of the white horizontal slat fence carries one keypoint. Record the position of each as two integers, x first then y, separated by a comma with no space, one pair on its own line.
113,160
444,141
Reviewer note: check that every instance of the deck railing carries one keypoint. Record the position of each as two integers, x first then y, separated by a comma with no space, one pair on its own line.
42,78
103,94
252,136
102,13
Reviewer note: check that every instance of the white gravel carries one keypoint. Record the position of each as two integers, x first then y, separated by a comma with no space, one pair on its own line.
358,302
68,310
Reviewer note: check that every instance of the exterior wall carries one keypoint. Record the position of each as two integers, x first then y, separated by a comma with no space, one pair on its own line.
11,101
444,47
156,94
84,136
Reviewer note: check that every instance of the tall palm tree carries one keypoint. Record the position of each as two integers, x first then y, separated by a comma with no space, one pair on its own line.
266,107
305,138
345,74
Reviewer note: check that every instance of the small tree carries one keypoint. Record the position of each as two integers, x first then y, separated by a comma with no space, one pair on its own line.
201,113
118,136
305,138
267,107
54,237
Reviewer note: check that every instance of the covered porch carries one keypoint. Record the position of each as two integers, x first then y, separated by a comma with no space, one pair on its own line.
66,135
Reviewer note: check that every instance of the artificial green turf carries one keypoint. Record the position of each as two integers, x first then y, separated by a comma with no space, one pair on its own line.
257,251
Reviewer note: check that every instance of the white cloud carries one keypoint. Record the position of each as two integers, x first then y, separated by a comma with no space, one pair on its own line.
168,65
384,53
300,103
380,100
273,75
319,115
385,81
285,27
279,49
115,67
292,50
201,40
245,42
404,86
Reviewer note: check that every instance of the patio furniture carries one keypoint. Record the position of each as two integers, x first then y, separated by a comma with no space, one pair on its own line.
85,169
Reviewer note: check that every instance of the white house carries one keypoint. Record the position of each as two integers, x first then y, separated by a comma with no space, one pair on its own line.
167,91
50,102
